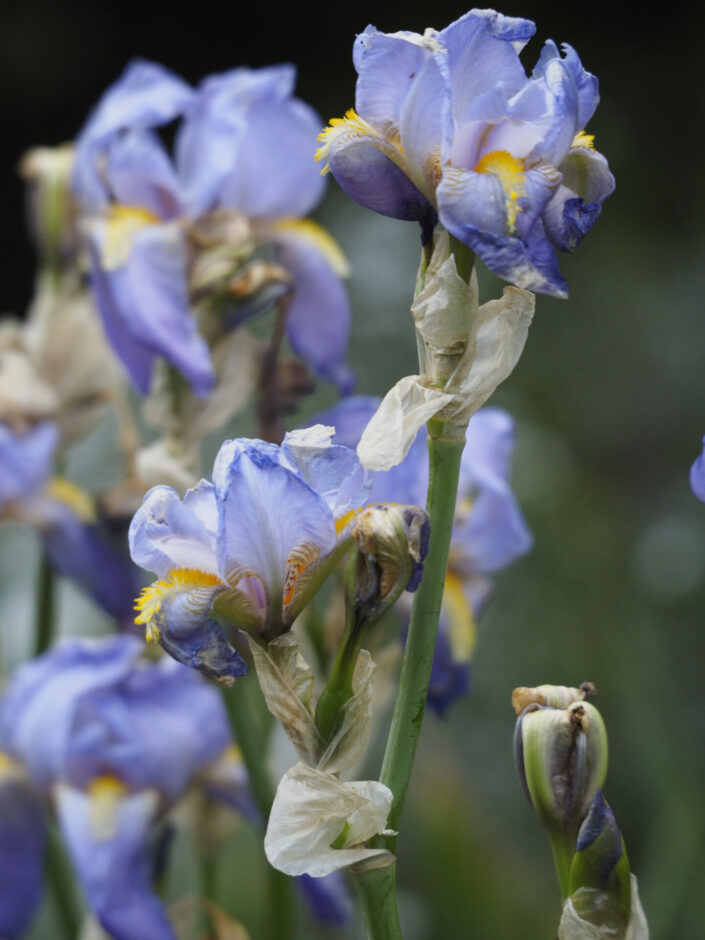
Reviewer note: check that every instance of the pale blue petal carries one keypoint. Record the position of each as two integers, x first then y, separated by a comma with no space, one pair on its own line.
145,95
167,532
199,642
318,312
587,86
266,511
22,845
697,476
157,311
386,65
26,460
472,207
275,175
41,701
481,53
214,130
116,872
371,179
139,173
112,298
332,470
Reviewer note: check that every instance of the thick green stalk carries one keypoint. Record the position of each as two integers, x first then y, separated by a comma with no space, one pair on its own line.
44,616
563,849
444,468
251,725
376,893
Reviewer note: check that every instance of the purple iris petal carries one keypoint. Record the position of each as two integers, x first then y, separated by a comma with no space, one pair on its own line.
450,679
266,511
211,135
318,313
587,85
167,532
332,470
145,95
22,844
275,175
370,178
140,173
115,869
26,460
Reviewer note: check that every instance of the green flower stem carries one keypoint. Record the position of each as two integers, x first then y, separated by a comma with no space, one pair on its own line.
44,616
444,469
62,888
376,893
563,849
251,725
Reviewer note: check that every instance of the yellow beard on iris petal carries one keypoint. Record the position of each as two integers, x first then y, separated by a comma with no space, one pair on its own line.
151,599
510,172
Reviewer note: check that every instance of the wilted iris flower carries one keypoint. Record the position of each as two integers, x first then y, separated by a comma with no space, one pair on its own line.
253,546
449,127
113,742
489,531
64,517
240,179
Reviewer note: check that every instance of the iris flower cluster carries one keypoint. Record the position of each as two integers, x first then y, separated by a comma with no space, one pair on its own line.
240,177
448,126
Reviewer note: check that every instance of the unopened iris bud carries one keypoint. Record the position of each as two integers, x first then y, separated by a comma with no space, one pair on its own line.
392,542
561,757
600,888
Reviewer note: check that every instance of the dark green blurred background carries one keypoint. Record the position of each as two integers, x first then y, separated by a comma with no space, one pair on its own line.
609,399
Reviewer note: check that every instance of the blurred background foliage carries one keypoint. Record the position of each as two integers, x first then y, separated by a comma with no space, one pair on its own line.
609,401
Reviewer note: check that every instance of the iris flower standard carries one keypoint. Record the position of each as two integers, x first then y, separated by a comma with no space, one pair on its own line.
489,531
449,127
252,546
243,147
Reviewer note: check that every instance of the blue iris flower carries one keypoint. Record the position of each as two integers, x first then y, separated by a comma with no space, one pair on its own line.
253,546
448,126
488,534
73,538
697,476
114,742
243,144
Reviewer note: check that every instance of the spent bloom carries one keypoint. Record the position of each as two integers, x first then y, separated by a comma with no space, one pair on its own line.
448,126
254,545
239,181
113,742
489,531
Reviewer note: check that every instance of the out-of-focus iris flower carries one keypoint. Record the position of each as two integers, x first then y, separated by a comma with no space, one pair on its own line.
65,519
114,743
488,534
697,476
448,126
254,545
243,147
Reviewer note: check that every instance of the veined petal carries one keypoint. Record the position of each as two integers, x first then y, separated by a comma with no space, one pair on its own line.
139,173
318,312
586,85
473,207
168,533
114,867
145,95
267,515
